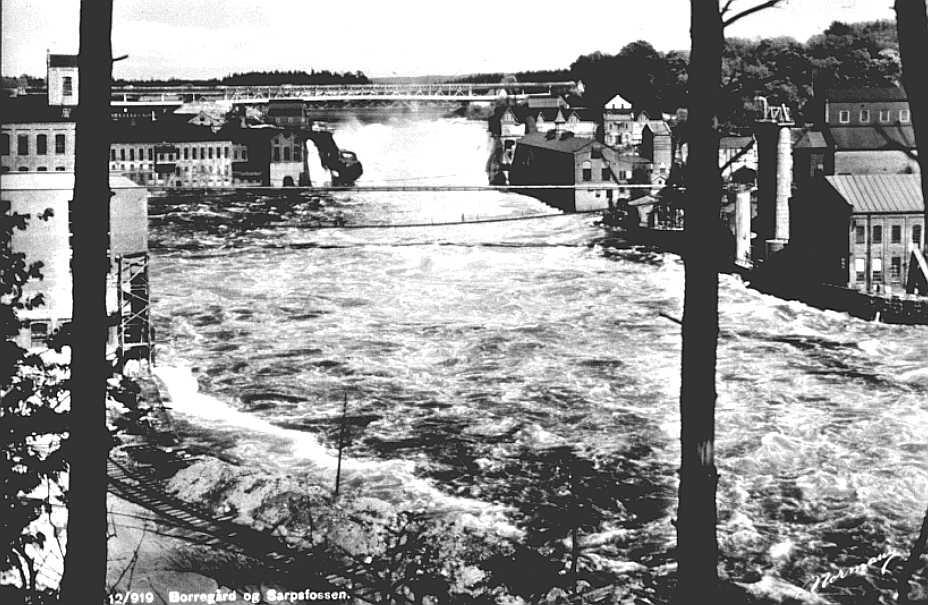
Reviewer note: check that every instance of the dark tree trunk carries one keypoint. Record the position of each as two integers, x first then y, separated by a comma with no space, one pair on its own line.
912,26
84,578
697,549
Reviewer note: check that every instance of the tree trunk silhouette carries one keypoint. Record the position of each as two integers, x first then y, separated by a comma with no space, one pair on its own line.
912,27
84,579
697,549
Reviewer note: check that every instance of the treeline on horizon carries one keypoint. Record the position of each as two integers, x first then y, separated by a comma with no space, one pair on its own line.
260,78
782,69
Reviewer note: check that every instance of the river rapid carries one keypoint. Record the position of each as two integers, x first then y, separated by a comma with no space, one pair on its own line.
488,366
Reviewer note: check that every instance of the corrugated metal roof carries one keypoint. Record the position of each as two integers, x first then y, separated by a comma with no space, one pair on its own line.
880,193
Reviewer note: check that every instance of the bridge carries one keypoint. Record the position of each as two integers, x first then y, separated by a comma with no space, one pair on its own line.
138,96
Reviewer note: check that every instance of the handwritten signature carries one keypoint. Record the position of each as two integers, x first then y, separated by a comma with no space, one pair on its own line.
825,580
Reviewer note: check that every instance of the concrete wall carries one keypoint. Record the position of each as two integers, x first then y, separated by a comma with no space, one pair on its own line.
32,161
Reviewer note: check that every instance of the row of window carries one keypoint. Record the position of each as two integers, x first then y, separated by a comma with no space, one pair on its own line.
38,169
885,116
876,269
41,144
895,234
297,154
195,153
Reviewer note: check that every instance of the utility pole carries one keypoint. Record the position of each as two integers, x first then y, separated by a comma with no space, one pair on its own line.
84,579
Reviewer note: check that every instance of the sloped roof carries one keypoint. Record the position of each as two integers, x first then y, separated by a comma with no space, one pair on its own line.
851,95
32,108
879,193
808,139
568,145
552,114
659,127
582,113
735,142
869,138
618,102
62,60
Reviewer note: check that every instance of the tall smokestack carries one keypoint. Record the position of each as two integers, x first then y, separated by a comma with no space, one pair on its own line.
774,175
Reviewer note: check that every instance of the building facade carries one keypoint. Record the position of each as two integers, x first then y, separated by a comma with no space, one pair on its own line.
48,241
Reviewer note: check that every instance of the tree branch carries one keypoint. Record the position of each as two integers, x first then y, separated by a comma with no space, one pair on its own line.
746,12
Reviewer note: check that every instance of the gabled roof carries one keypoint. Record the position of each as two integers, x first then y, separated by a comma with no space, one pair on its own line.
553,114
808,139
879,193
62,60
618,103
567,145
658,127
582,113
870,138
864,95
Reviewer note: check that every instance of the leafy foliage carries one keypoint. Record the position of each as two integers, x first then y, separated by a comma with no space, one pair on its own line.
32,418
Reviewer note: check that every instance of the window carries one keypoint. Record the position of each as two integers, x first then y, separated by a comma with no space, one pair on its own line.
276,154
210,153
860,236
605,174
917,234
112,155
59,168
151,153
895,268
884,116
23,169
59,144
877,265
877,234
587,171
226,152
297,154
186,153
904,116
38,333
844,116
194,153
244,154
895,234
132,155
22,145
141,154
67,86
42,168
4,144
122,155
860,269
41,144
286,154
864,116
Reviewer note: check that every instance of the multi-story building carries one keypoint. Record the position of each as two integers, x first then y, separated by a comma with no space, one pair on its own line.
564,159
869,130
61,79
48,241
35,137
864,228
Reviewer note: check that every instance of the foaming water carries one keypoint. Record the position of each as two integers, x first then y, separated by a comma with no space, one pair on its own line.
480,361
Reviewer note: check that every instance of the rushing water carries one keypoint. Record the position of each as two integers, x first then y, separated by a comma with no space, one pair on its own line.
480,361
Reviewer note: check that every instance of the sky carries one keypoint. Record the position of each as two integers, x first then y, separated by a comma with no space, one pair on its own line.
211,38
